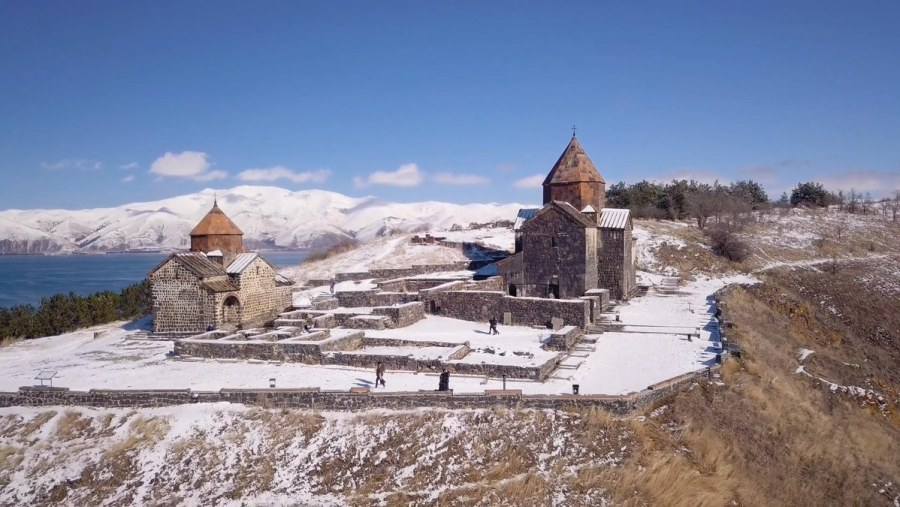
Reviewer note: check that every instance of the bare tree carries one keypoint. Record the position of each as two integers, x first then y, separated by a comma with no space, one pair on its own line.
702,204
853,201
840,226
895,205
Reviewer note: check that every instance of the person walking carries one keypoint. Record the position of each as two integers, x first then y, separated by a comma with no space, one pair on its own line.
493,323
379,374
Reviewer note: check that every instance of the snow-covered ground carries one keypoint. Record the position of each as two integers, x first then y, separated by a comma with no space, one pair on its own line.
621,363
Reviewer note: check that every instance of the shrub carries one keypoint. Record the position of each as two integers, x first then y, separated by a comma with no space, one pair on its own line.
724,241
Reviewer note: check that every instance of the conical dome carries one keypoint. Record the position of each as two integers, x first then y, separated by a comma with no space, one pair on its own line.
214,223
573,166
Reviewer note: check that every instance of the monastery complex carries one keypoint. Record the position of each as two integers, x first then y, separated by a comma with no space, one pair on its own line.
572,256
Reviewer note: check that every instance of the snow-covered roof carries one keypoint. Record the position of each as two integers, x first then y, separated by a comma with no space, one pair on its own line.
240,263
214,253
523,216
614,218
589,209
282,280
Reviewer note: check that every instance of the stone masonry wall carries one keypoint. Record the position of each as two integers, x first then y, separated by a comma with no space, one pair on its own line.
357,400
555,252
564,339
482,305
402,315
389,273
617,271
180,304
260,301
373,297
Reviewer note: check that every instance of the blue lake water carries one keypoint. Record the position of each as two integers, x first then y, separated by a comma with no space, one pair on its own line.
25,279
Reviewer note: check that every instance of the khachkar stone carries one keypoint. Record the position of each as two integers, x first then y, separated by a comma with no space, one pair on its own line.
574,179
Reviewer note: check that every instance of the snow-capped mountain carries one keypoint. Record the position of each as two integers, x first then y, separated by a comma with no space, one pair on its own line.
268,216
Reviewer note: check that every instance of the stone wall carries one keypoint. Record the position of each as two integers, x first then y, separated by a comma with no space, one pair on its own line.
389,273
287,351
402,315
480,306
366,322
564,339
358,399
261,301
180,303
616,266
556,251
410,284
373,297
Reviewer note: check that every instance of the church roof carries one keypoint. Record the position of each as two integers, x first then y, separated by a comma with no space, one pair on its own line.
215,222
569,211
219,285
523,216
573,166
195,262
614,218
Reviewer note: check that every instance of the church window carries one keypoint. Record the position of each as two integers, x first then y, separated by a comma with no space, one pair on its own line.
553,241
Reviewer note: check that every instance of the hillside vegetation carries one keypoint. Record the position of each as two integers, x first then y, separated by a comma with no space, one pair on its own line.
808,415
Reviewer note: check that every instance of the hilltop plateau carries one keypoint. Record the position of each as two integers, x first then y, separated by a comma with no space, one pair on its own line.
809,414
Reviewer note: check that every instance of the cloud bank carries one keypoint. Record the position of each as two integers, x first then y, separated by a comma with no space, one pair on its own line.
536,181
282,173
459,179
408,175
69,163
187,164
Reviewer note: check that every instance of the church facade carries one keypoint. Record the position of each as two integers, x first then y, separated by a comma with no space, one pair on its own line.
573,243
217,284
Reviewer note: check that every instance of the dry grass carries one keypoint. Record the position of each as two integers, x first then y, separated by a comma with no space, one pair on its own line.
72,425
764,435
36,424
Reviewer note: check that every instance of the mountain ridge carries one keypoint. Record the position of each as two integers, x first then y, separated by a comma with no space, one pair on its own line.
270,217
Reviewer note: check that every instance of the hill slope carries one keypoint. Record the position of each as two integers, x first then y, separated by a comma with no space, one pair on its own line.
809,415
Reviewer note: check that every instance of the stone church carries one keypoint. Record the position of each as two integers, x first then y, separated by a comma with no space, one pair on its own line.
217,283
572,244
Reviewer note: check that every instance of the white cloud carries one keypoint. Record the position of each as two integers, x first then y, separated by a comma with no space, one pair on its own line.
128,179
878,183
69,163
129,166
283,173
459,179
408,175
506,167
536,181
187,164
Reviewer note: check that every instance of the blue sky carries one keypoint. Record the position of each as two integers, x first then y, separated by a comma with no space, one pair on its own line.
104,103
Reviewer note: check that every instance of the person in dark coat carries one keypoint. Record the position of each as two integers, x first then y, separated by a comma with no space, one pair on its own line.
379,374
493,323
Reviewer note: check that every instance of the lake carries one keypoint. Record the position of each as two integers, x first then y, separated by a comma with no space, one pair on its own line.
25,279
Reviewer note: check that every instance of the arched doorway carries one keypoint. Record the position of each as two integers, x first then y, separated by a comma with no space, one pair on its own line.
231,311
553,290
512,290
